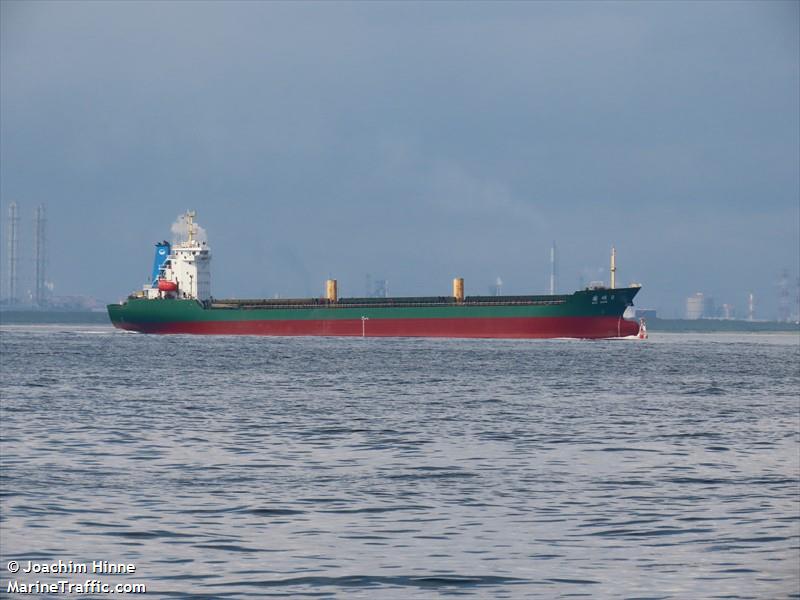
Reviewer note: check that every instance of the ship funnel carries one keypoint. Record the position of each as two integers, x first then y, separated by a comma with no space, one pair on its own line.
162,252
331,293
458,289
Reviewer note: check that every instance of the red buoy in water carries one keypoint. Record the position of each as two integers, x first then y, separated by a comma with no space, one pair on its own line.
167,286
642,335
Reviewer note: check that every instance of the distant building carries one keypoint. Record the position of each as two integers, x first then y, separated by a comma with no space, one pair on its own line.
73,302
700,306
381,289
645,313
796,310
378,288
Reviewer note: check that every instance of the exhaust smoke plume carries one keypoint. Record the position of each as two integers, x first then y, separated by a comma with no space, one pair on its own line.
180,231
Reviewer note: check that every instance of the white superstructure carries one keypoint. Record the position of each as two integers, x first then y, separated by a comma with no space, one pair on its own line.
188,265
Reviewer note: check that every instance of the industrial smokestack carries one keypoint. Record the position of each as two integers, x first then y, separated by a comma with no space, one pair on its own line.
613,267
784,310
40,256
13,252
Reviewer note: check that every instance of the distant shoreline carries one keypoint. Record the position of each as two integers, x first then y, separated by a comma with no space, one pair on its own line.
718,325
35,317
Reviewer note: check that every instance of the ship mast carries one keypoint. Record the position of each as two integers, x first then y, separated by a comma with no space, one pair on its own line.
190,214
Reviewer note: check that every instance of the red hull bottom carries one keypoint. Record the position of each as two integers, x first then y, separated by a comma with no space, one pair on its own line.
554,327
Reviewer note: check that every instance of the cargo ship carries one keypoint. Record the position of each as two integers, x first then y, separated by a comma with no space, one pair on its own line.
177,299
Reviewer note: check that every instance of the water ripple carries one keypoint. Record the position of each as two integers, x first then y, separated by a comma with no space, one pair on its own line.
236,467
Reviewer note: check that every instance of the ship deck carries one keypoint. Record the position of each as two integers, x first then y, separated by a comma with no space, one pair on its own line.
423,301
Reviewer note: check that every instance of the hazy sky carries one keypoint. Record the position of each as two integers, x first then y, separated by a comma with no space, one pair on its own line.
412,141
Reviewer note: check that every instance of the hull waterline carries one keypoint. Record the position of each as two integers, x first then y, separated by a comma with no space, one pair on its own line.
574,327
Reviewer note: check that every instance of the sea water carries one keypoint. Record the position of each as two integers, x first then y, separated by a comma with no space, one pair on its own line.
248,467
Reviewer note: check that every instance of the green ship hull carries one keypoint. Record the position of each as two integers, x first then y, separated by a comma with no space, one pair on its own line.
583,314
